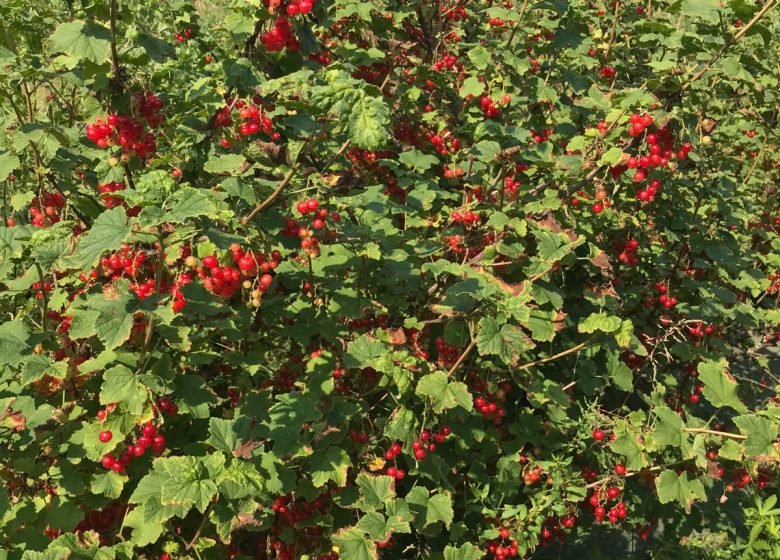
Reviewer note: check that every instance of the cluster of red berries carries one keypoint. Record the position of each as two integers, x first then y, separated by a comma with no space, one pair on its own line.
444,142
453,173
447,62
44,210
293,228
41,287
665,299
467,218
489,409
149,438
531,475
607,72
280,36
421,447
390,455
183,36
100,520
446,354
224,281
774,278
552,529
503,548
542,135
295,7
355,436
125,262
489,108
322,56
627,252
255,121
615,513
700,329
128,133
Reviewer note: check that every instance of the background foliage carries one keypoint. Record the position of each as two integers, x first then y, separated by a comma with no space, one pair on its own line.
442,279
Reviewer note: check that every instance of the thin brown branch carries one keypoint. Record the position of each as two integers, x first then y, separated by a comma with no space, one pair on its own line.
714,433
741,33
571,350
112,27
462,357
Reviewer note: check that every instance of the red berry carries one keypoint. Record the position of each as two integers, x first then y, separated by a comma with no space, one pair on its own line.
598,435
105,436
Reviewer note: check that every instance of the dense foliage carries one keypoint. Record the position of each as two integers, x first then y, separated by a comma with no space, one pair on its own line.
354,279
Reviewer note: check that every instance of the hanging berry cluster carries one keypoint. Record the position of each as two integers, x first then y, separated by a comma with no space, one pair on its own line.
45,209
148,437
183,36
293,228
280,37
225,280
600,497
129,133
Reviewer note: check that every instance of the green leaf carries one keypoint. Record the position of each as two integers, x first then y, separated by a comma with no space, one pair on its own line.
761,434
231,164
627,444
369,122
107,233
332,465
82,40
190,203
418,160
670,430
611,156
480,57
185,482
364,352
108,484
121,385
375,490
671,487
13,341
599,322
719,387
432,509
506,342
224,434
619,373
8,164
467,551
704,9
353,544
443,393
471,86
108,315
379,528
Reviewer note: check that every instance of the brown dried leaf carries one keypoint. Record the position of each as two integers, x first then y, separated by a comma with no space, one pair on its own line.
603,263
244,451
397,336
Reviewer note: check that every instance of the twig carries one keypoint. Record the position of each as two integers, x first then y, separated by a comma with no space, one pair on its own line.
44,299
714,433
613,29
571,350
158,274
112,27
768,6
462,357
199,529
757,159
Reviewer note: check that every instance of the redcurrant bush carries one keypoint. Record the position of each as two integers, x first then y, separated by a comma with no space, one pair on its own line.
328,279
